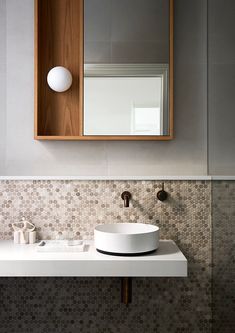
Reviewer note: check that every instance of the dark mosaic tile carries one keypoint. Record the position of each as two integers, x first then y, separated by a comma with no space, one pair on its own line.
223,217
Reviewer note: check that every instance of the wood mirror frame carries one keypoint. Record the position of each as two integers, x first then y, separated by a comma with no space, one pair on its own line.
59,41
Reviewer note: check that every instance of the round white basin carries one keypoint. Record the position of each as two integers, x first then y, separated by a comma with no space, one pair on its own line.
126,238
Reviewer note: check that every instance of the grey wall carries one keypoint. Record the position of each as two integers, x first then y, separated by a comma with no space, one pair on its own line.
2,82
221,86
185,155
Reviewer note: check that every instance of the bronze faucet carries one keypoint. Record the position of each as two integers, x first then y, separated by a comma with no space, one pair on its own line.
126,196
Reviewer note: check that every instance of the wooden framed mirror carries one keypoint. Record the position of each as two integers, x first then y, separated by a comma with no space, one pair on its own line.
120,55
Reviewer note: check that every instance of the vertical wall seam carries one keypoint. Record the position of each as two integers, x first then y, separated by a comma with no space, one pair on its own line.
207,88
208,165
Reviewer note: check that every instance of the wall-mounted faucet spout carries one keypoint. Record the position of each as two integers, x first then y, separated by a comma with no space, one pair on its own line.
126,196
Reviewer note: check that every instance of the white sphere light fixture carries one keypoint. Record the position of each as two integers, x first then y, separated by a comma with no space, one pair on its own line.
59,79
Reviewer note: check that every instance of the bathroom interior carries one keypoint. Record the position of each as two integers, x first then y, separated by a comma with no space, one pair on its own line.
117,166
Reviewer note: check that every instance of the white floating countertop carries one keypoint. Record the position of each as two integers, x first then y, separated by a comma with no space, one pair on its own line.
24,260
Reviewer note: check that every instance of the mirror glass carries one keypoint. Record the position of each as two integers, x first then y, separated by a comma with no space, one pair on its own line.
126,71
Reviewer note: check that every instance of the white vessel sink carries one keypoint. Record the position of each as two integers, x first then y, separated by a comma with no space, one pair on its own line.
126,238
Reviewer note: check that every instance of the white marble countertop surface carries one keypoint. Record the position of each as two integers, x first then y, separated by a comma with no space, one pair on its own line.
24,260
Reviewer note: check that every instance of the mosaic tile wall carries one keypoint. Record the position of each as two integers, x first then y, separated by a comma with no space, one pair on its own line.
223,215
92,305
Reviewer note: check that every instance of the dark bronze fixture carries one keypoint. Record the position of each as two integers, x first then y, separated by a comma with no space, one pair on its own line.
162,194
126,196
126,290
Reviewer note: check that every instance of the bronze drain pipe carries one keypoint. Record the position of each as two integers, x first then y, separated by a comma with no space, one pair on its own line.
126,292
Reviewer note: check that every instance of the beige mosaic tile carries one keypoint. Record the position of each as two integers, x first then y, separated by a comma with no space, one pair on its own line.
73,209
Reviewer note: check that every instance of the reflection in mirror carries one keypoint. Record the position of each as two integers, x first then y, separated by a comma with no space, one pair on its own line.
127,68
126,31
126,100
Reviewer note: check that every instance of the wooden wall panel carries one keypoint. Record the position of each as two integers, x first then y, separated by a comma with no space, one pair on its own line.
58,42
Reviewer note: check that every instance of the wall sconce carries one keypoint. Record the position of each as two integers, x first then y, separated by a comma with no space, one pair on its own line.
59,79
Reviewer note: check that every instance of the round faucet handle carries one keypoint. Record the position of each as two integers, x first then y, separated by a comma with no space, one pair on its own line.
162,195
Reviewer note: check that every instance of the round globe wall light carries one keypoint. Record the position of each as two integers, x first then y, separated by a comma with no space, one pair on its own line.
59,79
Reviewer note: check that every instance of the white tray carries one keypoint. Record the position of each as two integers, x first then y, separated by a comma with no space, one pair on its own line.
60,246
